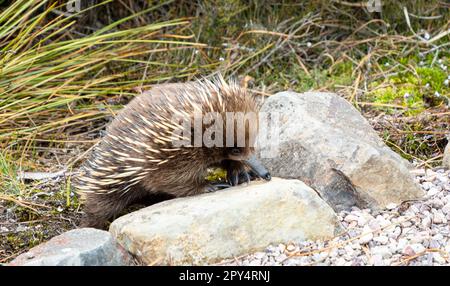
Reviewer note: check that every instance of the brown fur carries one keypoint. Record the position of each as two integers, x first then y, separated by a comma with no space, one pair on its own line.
134,163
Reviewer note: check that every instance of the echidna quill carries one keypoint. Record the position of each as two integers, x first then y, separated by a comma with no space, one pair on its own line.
151,150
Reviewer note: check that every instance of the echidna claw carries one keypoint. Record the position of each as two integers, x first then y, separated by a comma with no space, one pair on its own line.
216,187
247,177
237,178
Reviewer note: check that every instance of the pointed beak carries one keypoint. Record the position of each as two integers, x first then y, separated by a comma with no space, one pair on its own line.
257,167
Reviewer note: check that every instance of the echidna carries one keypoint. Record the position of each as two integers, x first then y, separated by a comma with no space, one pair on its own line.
138,161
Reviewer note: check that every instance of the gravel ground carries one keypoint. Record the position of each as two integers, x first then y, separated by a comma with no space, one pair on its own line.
414,233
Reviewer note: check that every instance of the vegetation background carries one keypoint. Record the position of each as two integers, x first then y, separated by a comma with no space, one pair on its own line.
65,73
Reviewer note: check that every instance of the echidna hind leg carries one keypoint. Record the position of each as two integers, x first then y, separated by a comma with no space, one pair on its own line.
100,208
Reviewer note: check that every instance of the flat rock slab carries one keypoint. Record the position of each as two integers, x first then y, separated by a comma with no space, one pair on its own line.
208,228
78,247
325,142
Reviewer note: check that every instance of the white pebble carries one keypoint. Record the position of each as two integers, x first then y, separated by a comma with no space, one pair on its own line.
395,232
384,251
439,217
426,222
433,191
417,247
259,255
350,218
340,261
446,208
381,239
391,206
401,244
438,258
290,248
368,235
349,250
427,185
254,263
362,221
376,260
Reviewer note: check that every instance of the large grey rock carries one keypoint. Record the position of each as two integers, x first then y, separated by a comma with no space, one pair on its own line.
325,142
446,160
211,227
79,247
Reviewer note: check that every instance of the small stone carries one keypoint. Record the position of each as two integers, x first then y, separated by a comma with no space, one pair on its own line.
395,232
381,239
317,257
438,237
407,223
427,185
350,218
438,258
420,237
377,260
434,244
384,251
281,257
447,247
417,247
401,244
391,206
349,250
433,191
352,233
340,261
259,255
446,208
439,217
374,224
254,263
408,251
362,221
368,235
78,247
437,203
383,222
290,248
281,247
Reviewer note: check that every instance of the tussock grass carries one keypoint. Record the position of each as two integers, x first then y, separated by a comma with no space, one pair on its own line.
50,82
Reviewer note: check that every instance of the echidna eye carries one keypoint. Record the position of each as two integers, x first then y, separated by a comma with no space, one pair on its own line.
235,151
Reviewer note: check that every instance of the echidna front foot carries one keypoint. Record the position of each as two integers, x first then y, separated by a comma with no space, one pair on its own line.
236,172
216,187
239,172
